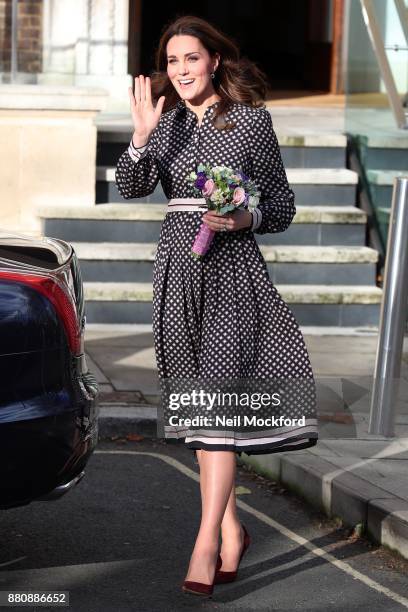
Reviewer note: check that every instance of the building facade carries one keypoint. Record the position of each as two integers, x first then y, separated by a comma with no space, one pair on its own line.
104,43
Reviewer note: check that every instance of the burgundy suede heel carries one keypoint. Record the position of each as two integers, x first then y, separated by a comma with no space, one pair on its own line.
200,588
224,577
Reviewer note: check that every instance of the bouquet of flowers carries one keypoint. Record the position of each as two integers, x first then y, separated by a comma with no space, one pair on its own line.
224,190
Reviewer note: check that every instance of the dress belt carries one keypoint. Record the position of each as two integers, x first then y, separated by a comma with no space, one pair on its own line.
187,204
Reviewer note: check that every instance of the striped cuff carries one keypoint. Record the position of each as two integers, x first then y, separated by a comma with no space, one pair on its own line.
137,153
256,218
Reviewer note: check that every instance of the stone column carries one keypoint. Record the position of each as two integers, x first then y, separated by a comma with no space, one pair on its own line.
47,150
85,43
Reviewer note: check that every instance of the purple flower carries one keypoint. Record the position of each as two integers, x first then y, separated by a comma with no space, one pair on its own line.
200,180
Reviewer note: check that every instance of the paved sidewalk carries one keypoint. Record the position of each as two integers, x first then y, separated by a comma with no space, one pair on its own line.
361,478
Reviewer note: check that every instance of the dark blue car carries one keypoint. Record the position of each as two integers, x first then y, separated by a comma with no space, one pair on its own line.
48,408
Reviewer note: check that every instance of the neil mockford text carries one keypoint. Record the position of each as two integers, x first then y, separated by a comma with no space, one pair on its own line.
236,421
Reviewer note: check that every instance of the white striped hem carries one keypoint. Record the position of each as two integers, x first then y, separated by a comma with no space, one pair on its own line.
233,440
242,445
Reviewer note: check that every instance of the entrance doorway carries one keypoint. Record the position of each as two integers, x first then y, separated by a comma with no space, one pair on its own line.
290,40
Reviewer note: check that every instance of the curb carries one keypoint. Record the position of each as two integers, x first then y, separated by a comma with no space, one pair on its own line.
338,493
335,492
122,419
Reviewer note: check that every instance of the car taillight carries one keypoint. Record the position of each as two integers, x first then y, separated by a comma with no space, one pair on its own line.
59,298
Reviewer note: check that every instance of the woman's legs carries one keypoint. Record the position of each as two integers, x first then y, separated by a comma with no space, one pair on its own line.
231,529
217,477
232,535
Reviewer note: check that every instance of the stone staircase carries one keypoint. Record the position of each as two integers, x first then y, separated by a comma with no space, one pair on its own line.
379,154
381,184
321,265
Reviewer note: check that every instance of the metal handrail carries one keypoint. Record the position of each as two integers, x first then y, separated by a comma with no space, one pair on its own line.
402,11
378,45
387,369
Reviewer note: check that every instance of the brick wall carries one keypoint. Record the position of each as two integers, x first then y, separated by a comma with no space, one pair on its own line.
29,40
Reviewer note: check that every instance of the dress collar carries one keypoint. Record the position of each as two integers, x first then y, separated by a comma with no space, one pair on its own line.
181,105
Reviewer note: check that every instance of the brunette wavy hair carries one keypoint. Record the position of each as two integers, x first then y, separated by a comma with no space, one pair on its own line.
237,79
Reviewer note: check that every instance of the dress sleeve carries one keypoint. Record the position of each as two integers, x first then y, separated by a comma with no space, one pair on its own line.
276,207
136,172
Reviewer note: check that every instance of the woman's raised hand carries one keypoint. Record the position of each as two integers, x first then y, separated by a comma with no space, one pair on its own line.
145,117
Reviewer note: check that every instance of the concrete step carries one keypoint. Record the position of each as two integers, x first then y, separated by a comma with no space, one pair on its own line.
309,330
381,185
312,186
123,262
341,305
383,152
384,177
312,225
314,150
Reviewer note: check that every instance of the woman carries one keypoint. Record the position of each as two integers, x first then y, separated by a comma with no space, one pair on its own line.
218,317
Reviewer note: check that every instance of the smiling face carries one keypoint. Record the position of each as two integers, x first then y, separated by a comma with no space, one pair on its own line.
189,67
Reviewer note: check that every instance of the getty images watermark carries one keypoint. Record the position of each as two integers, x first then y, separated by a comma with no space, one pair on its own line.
339,405
208,401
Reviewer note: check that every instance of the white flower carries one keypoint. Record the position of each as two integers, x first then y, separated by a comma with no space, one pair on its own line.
217,197
253,201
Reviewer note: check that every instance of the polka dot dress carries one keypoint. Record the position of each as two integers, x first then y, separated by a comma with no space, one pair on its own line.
219,321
